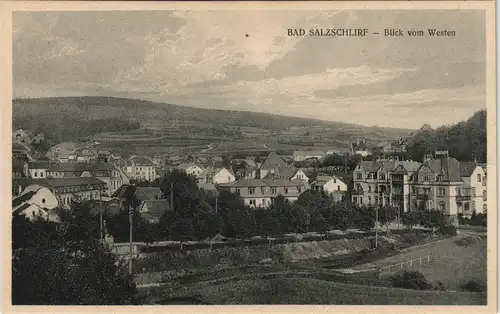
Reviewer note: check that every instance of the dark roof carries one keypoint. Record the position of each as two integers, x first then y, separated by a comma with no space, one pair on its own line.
448,167
147,193
100,165
17,165
265,182
69,167
125,192
272,161
22,198
41,164
62,182
16,146
23,207
467,168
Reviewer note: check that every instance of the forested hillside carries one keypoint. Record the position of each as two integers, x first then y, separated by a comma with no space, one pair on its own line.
465,141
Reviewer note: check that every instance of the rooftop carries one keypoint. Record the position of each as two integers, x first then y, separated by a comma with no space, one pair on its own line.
64,182
266,182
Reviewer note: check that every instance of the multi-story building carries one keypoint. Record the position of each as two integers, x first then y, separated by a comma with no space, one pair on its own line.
274,167
383,183
444,184
260,192
67,190
101,169
38,169
140,168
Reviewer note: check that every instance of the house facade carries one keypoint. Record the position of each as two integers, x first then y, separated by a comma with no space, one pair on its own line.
140,168
300,155
191,169
360,148
472,197
260,192
209,178
332,185
34,201
300,175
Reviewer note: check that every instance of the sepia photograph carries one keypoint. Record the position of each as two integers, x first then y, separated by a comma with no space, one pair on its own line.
252,157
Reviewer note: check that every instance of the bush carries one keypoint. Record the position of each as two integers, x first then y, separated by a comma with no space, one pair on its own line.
448,230
439,286
410,280
474,285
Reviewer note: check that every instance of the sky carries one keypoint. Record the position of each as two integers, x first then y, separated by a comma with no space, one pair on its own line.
244,60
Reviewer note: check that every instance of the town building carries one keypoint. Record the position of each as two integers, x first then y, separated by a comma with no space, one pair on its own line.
67,190
332,185
390,147
140,168
38,169
151,204
101,169
209,178
191,169
260,192
300,155
274,167
300,175
36,201
360,148
443,184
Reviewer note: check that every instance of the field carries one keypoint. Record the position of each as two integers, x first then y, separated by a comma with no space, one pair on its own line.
172,129
296,290
452,261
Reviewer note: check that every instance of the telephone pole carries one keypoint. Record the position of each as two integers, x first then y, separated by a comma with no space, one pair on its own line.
376,227
130,220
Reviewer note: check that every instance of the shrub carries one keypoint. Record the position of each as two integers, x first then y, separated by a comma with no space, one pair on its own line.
410,280
474,285
439,286
448,230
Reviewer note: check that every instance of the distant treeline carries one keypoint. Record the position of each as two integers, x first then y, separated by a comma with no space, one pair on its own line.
61,127
465,141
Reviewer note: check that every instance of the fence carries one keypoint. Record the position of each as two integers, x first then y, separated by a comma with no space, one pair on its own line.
401,266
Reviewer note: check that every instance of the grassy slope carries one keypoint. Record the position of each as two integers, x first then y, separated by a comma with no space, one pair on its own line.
93,108
315,291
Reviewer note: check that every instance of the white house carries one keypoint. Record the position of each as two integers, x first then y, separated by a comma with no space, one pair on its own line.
300,155
300,175
360,148
472,197
34,201
210,177
331,185
140,168
38,170
191,169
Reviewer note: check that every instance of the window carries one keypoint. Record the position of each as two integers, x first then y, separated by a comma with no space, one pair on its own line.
355,200
376,200
334,180
338,187
414,190
467,207
299,190
427,177
369,188
273,190
251,191
484,195
359,176
442,206
361,200
485,208
286,190
479,177
382,176
36,174
358,187
441,191
369,200
459,192
252,202
237,191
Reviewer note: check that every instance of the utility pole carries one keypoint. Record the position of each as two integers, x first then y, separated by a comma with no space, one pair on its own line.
130,220
100,212
172,195
216,202
376,227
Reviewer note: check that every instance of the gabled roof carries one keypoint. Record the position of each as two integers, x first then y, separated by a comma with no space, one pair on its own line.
101,165
141,161
69,167
147,193
371,166
124,192
42,164
448,167
467,168
212,172
22,198
322,180
272,161
155,209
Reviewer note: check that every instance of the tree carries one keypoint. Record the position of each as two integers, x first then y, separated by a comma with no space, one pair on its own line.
342,218
186,195
300,219
386,215
410,219
182,230
54,272
432,219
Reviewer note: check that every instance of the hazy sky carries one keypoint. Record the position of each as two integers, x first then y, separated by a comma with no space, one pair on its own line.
204,59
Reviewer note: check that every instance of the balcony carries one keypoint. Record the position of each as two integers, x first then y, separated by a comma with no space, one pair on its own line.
462,198
422,196
358,192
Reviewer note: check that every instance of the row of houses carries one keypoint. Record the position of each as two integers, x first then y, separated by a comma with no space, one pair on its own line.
441,183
